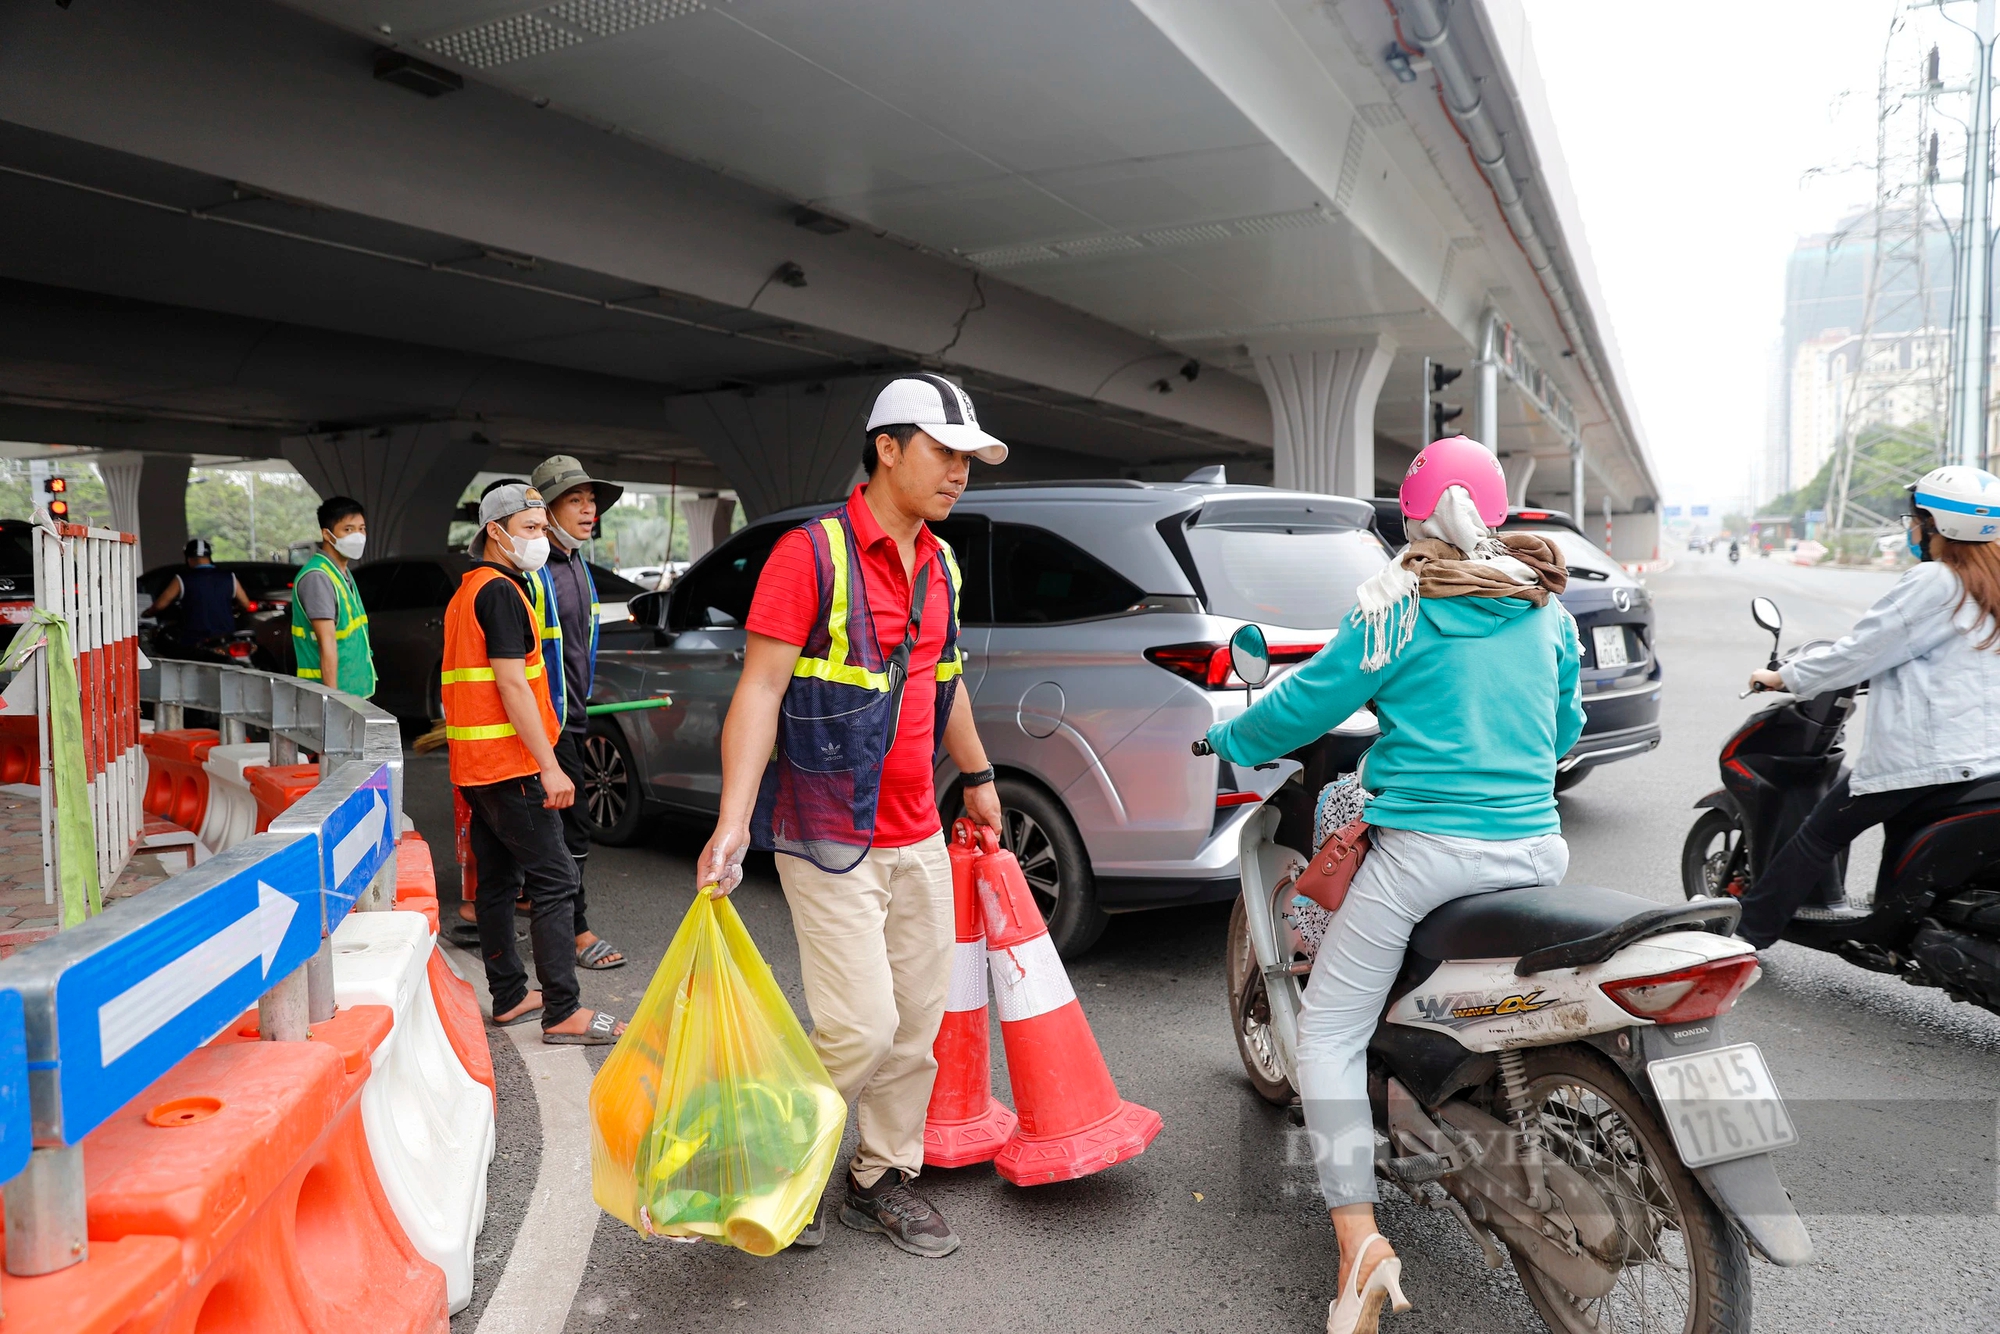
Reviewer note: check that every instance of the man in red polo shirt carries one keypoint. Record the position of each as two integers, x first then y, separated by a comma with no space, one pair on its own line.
828,755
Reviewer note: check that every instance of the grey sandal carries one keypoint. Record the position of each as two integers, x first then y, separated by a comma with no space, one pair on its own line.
603,1032
596,952
519,1019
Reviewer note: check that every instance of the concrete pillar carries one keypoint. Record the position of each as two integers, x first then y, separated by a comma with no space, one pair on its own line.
709,517
1517,469
1577,502
409,479
148,494
780,446
1322,396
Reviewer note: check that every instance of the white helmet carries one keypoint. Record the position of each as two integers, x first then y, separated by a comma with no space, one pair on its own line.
1963,502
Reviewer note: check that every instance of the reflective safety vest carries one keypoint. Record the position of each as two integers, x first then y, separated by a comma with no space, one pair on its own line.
485,748
354,660
838,718
542,592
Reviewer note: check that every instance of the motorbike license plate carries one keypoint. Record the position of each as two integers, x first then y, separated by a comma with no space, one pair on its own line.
1609,640
1721,1104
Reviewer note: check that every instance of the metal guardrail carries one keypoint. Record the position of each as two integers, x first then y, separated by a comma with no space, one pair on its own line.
109,1006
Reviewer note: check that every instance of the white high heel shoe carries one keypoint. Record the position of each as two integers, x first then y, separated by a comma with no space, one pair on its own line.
1359,1310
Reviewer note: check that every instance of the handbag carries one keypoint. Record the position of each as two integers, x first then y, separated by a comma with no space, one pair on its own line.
1343,843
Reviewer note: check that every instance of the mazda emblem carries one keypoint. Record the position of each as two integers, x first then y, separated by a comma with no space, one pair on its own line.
1621,598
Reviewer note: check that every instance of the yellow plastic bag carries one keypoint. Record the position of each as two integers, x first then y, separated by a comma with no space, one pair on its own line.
713,1116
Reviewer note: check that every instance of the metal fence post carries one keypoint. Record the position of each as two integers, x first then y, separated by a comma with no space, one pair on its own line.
284,1013
320,1003
47,1223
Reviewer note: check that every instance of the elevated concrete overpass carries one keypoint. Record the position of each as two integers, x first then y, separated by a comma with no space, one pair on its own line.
402,241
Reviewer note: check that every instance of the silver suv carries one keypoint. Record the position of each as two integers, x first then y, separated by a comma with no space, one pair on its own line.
1096,617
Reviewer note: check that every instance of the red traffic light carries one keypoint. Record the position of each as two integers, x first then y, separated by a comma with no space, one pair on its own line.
58,509
57,485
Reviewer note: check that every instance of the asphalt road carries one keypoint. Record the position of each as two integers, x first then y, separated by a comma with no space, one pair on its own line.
1217,1226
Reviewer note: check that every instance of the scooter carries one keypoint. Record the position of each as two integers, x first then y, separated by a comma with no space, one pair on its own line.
1735,553
1551,1069
1935,916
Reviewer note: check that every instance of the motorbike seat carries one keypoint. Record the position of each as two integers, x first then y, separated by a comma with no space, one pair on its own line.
1557,926
1938,805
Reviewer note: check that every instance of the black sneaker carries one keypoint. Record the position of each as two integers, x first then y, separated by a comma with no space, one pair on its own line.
906,1218
814,1232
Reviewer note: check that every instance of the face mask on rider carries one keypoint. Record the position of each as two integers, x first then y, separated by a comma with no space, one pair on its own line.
1913,537
350,546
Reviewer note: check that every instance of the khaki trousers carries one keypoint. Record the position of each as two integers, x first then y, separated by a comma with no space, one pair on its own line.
875,947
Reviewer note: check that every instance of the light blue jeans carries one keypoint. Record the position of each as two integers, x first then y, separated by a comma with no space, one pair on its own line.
1405,877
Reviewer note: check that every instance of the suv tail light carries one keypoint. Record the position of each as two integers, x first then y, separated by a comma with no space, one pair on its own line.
1207,665
1701,992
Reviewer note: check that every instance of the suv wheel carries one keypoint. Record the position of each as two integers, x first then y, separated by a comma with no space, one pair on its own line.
1038,831
610,794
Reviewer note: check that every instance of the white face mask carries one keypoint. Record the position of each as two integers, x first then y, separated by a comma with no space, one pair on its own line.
530,554
561,535
352,545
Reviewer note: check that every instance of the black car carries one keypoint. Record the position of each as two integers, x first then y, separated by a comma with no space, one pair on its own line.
1614,619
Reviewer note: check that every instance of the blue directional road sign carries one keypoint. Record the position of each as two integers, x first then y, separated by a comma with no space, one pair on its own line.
356,837
1670,511
16,1134
135,991
1698,511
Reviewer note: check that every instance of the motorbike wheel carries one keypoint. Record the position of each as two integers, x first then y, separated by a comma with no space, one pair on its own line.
1250,1014
1714,857
1685,1267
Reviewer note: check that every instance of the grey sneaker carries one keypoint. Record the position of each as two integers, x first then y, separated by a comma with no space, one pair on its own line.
906,1218
814,1232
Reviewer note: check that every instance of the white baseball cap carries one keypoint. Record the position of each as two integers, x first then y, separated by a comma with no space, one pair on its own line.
942,409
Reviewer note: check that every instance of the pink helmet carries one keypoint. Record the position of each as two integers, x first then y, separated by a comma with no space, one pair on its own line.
1459,461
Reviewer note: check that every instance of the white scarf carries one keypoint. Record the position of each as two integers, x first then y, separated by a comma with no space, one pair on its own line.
1455,521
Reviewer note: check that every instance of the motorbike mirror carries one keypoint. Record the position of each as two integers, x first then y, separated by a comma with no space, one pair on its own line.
1765,612
1249,655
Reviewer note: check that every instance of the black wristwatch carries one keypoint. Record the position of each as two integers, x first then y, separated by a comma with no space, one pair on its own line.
980,779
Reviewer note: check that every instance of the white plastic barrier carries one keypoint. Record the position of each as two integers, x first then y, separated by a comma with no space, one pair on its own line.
429,1124
232,812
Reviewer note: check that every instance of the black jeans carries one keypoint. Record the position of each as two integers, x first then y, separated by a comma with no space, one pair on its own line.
1838,820
519,846
569,754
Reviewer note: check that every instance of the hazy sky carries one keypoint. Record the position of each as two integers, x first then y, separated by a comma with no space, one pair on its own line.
1700,137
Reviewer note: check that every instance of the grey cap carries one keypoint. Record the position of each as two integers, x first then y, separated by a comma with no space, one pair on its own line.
499,505
559,473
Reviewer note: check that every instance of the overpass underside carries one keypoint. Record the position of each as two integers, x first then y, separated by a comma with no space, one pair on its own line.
687,249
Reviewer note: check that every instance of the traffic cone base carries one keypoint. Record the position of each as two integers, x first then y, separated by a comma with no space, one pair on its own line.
1124,1134
964,1143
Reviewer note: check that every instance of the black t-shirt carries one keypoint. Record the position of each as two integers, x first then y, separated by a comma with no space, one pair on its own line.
502,611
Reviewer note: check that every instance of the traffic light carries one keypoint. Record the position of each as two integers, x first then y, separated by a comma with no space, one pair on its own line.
1442,376
1442,413
58,504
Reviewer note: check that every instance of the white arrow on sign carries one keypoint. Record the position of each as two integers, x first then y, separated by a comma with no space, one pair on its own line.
358,842
143,1009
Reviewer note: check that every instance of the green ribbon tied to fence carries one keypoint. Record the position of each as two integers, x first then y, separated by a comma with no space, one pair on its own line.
76,833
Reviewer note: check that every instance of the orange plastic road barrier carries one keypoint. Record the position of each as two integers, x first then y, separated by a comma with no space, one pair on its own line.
416,878
276,786
20,749
1073,1122
355,1031
176,784
251,1154
964,1124
464,1025
97,1296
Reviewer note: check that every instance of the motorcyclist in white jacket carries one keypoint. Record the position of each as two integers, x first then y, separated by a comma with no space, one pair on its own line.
1930,651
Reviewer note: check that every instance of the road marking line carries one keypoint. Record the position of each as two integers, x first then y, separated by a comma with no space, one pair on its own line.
546,1262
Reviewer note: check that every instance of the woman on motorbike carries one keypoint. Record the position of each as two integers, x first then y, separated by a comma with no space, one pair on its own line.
1470,663
1930,651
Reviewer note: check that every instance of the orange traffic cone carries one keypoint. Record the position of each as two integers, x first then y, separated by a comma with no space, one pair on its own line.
964,1125
1073,1122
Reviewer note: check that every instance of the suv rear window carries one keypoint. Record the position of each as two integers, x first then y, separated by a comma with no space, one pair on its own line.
1291,566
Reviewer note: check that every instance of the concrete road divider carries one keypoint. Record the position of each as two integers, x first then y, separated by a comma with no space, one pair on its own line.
252,1157
430,1124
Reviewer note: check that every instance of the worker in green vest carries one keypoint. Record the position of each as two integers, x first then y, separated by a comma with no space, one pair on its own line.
329,624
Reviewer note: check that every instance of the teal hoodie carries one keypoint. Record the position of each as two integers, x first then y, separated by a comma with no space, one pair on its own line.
1475,711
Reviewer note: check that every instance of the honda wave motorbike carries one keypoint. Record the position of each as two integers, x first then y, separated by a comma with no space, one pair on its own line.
1551,1069
1935,916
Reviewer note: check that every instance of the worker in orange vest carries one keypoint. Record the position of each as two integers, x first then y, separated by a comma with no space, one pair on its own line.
502,729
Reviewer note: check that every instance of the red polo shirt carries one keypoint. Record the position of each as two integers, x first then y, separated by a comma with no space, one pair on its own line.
786,605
